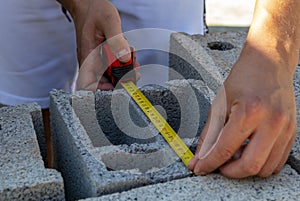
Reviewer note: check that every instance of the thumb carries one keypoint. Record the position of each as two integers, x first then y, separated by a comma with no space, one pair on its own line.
215,124
210,133
102,23
120,47
112,30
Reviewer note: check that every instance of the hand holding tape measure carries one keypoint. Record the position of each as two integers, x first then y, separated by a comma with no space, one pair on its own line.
124,74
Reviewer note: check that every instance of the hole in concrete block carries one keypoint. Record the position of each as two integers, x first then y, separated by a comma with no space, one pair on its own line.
219,45
143,162
123,122
165,102
161,111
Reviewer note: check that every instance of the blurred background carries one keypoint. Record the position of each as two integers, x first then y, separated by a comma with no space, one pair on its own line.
229,15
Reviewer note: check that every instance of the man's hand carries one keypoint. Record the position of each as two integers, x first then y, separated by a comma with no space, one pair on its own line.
252,122
255,107
95,22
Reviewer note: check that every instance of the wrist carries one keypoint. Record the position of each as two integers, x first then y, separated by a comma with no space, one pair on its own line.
73,6
275,33
274,49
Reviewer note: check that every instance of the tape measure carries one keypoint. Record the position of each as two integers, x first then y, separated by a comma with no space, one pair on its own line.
159,122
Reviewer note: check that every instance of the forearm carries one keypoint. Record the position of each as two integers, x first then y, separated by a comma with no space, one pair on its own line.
275,30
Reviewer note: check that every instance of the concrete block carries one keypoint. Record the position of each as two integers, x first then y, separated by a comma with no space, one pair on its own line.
284,186
93,163
23,175
294,159
208,58
37,120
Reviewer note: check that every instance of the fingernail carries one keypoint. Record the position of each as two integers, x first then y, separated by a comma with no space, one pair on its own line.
123,55
200,173
192,162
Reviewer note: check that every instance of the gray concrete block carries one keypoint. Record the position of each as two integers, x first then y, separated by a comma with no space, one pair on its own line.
294,159
23,175
284,186
207,58
37,120
92,165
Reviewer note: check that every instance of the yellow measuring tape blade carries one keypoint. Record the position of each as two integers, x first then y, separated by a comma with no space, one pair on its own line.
159,122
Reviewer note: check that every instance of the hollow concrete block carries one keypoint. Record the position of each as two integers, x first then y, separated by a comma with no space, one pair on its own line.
208,58
94,164
23,175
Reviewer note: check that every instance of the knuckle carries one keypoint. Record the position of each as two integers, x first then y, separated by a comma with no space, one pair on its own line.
225,153
252,167
265,174
111,17
253,111
253,106
279,118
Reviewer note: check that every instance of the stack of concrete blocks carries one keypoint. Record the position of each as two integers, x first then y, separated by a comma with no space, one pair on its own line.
106,148
23,175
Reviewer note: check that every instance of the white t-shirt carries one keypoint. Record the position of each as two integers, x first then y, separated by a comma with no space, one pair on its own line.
165,16
37,51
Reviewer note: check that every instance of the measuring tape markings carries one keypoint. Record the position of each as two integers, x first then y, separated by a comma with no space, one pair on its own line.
159,122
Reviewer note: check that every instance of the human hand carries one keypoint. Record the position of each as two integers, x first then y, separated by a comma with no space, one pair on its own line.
95,22
256,105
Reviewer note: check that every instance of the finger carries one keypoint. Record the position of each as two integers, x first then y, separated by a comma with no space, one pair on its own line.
195,159
215,122
113,33
288,148
217,118
104,84
242,121
257,151
279,153
203,134
119,45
